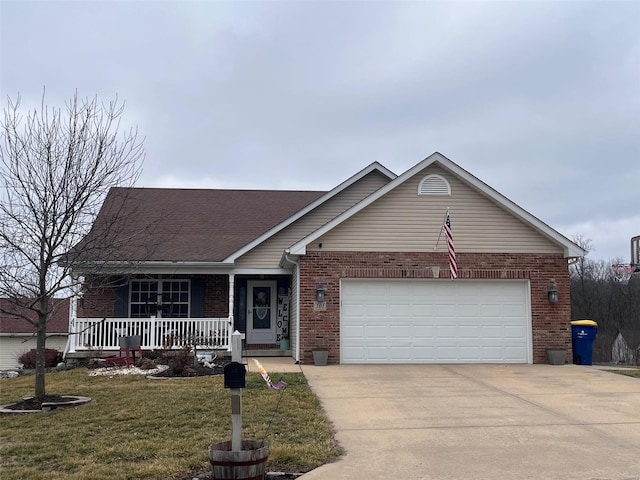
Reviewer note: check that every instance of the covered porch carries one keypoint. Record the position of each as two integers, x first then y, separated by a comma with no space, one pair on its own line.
170,312
95,335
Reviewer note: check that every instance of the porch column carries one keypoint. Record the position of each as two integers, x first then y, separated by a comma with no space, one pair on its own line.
231,299
73,314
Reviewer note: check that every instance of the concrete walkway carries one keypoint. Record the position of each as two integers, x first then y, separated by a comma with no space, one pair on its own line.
479,421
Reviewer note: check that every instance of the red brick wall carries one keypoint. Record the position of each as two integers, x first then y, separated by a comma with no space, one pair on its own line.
321,329
216,296
97,303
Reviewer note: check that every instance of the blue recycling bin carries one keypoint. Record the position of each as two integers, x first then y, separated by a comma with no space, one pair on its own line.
583,333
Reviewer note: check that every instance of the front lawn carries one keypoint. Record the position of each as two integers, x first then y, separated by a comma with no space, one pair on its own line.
628,372
137,428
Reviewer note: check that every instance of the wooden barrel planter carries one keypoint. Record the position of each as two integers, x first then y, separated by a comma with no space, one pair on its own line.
247,464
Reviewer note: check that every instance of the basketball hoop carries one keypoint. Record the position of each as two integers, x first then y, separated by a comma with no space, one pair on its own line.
622,272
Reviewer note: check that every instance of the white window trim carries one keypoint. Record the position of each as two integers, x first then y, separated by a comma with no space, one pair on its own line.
160,282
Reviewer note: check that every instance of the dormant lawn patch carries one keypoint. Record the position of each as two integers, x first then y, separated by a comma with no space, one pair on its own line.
155,429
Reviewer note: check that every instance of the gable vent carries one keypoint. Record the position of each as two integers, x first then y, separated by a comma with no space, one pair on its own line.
434,185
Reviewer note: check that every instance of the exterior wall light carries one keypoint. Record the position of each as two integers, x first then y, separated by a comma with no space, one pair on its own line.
320,293
552,291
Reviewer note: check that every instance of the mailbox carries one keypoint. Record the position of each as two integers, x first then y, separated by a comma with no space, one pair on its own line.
234,375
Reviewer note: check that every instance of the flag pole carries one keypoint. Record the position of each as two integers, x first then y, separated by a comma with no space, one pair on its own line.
444,219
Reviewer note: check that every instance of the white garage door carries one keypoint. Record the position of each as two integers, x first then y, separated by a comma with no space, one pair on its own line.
426,321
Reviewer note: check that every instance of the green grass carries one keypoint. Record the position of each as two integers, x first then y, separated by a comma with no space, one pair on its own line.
629,372
137,428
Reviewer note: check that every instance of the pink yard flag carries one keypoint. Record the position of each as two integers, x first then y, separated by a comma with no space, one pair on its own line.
453,264
265,375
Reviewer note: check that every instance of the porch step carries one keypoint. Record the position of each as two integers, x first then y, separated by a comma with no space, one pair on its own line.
267,352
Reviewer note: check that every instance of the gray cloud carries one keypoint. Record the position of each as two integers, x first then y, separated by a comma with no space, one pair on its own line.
541,100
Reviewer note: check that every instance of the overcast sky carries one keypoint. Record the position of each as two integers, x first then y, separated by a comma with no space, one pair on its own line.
539,100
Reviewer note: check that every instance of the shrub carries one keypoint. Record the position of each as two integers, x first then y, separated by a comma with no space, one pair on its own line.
183,361
146,364
28,359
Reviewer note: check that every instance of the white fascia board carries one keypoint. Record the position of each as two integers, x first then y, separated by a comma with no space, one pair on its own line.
158,267
261,271
570,248
347,183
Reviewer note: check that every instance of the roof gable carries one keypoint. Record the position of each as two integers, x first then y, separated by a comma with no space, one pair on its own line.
373,167
568,247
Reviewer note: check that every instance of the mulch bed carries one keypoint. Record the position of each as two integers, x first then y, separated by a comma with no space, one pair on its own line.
199,371
180,370
36,403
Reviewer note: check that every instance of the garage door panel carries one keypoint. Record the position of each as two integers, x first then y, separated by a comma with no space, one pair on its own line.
400,331
353,310
353,331
470,353
513,332
422,331
470,332
373,332
411,321
444,310
513,310
399,310
379,310
400,353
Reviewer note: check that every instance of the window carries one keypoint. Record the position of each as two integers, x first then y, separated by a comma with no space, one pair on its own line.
163,298
434,185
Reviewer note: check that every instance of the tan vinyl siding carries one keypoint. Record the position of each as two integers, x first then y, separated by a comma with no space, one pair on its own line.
293,313
268,254
12,347
403,221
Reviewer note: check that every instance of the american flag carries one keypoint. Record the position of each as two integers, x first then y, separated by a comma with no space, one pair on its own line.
453,264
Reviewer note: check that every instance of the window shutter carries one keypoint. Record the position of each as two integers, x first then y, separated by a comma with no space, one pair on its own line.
197,298
121,303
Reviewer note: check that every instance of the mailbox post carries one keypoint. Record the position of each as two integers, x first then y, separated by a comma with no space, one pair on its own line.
234,378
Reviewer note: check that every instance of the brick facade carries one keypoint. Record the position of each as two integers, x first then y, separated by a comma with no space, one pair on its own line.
321,329
97,303
216,296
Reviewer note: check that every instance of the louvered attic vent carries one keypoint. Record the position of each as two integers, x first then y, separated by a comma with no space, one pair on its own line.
434,185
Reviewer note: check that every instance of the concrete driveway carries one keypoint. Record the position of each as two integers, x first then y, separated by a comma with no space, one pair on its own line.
480,422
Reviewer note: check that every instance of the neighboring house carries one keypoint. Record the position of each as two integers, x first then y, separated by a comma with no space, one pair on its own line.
350,270
626,347
17,335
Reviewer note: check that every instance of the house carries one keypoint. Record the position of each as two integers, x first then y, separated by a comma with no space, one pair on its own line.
626,347
362,271
17,335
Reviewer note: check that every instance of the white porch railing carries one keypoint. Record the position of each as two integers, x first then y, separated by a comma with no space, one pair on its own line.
155,333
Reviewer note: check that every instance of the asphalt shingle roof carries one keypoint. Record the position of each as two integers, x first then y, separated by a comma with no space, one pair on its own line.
163,224
59,322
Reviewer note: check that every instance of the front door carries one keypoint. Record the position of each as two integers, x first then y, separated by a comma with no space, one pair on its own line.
261,311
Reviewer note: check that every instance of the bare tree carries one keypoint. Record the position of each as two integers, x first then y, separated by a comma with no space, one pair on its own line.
596,295
57,165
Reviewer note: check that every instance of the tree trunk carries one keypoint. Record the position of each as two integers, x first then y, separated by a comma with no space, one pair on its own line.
41,356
